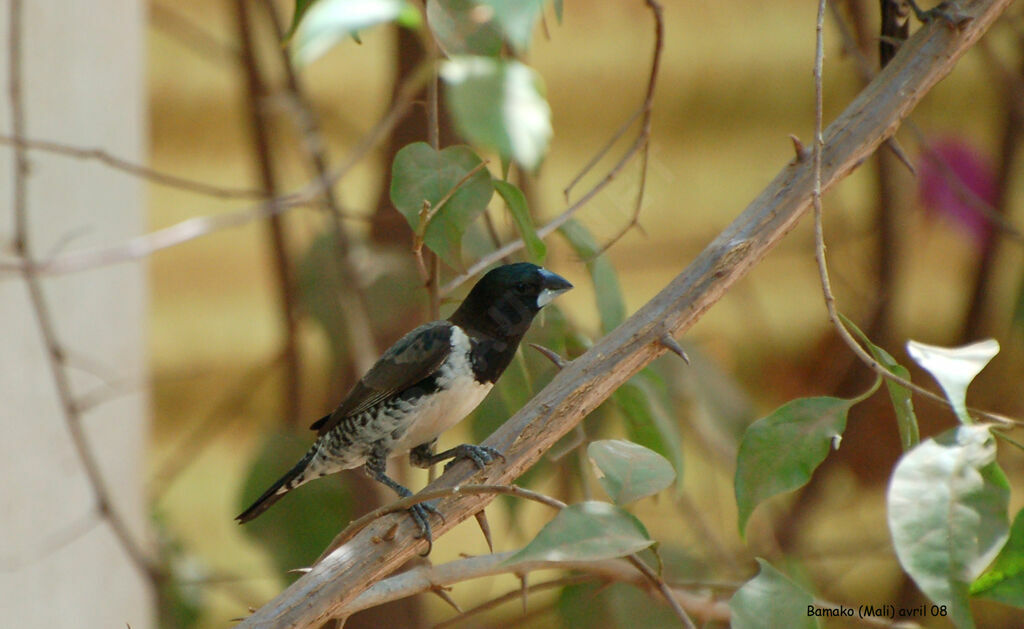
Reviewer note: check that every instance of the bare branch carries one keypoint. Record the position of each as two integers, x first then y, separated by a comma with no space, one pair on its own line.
332,585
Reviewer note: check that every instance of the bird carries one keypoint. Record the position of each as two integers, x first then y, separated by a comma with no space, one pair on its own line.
425,383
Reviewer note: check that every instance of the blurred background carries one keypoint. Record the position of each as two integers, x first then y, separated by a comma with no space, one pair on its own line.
241,362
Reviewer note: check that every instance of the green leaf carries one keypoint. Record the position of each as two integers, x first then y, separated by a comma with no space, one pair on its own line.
947,505
500,105
458,31
558,10
771,599
516,202
954,368
610,304
587,531
516,19
781,451
902,402
421,173
1004,580
318,27
629,471
646,423
583,605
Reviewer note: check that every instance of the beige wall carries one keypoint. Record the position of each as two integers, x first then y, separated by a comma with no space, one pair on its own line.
83,83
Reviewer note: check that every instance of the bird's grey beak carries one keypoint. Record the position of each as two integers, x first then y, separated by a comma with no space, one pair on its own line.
553,285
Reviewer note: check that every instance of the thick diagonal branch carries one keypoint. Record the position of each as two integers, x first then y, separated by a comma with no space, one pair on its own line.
327,590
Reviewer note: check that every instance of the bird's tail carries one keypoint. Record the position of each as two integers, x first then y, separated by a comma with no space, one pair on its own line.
286,483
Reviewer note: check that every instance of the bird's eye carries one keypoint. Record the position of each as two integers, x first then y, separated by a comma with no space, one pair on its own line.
521,287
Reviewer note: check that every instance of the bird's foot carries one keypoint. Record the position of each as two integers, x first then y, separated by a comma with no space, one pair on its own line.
420,514
947,11
479,455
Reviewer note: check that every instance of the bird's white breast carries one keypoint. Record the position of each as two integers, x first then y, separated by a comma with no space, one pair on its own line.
460,393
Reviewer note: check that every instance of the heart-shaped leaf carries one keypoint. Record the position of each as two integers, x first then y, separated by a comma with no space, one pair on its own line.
771,599
954,368
781,451
500,105
587,531
421,174
947,505
629,471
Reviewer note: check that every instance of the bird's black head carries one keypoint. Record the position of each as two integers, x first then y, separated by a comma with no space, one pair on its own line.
505,300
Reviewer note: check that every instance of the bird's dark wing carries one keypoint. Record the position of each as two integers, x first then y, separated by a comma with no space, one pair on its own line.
411,359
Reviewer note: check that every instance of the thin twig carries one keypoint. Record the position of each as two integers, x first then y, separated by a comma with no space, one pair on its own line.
639,145
662,587
601,152
645,130
146,245
131,168
22,247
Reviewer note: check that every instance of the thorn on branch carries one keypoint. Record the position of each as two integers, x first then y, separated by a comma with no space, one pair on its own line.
551,355
673,346
802,153
900,154
485,528
442,593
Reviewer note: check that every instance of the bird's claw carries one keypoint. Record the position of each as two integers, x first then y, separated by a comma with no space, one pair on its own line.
479,455
420,513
